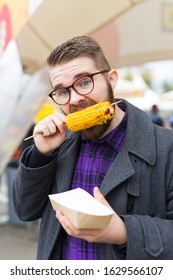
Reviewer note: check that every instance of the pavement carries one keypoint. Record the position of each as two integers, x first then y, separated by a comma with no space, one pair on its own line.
18,241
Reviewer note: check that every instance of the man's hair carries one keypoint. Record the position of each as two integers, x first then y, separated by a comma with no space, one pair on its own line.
77,47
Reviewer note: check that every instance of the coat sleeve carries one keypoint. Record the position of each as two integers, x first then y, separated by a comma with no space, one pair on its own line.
31,188
150,237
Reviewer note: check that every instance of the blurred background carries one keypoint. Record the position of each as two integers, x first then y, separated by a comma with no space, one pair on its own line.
137,38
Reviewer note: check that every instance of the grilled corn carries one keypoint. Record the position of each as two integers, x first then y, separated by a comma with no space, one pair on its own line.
94,115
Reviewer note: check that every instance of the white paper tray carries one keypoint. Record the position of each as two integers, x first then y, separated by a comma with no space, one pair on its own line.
83,210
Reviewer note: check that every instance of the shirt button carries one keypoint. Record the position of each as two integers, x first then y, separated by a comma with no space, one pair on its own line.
91,154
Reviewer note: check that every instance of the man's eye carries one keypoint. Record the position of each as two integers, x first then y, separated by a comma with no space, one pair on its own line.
85,83
62,92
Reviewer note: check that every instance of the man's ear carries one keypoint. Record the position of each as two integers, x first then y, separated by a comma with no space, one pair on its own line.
113,78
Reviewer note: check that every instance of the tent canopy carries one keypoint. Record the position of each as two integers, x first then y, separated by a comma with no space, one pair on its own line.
143,34
130,32
56,21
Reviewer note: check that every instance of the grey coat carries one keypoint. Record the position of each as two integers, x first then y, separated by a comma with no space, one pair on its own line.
138,186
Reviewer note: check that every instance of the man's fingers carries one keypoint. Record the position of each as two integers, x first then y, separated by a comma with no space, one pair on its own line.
99,196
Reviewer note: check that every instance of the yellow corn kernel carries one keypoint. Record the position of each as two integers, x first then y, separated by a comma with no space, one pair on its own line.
94,115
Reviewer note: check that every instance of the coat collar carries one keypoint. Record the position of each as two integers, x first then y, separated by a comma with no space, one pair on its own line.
139,141
140,138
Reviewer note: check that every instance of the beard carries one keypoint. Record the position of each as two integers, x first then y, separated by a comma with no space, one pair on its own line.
94,132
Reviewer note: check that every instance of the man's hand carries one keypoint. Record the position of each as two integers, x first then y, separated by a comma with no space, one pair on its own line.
114,233
50,133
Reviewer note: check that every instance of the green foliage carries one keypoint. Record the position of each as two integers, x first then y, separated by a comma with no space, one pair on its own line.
167,86
128,76
148,78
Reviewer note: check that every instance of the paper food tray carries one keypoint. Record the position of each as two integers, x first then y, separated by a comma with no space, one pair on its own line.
83,210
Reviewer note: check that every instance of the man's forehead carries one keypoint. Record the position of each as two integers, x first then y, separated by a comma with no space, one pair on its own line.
72,69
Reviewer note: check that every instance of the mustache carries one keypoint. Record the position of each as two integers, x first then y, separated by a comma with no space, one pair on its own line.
82,105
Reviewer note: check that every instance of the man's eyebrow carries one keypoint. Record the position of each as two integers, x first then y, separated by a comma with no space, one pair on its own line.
81,74
58,86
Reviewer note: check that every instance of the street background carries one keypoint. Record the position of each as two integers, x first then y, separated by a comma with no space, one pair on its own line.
17,241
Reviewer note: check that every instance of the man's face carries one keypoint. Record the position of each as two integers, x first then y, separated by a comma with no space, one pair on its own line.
64,75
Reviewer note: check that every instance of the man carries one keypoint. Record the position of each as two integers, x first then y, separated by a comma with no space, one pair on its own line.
155,117
127,164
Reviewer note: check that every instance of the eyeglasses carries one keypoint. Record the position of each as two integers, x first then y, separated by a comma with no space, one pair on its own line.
83,86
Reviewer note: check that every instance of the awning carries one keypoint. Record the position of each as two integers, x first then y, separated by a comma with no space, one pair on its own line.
56,21
144,34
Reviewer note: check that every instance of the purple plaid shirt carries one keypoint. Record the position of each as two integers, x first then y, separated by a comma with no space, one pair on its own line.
93,162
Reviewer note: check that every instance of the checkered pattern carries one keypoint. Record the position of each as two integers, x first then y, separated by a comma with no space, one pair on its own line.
93,162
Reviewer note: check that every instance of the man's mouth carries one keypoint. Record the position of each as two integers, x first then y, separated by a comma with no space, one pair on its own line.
81,106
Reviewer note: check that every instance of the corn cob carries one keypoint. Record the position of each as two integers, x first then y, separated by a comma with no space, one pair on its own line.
94,115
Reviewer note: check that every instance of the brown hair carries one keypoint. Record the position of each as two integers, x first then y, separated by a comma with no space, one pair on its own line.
77,47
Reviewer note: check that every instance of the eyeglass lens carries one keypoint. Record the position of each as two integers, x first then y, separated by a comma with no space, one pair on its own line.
83,85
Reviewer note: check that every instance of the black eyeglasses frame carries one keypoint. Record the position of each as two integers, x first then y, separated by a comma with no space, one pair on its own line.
72,86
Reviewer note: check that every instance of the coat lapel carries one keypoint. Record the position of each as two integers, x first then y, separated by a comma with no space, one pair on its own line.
133,152
127,162
119,172
66,162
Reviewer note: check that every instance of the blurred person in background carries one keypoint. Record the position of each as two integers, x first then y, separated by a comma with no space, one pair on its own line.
155,116
126,164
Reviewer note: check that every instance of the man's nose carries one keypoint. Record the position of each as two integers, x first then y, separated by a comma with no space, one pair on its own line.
75,98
